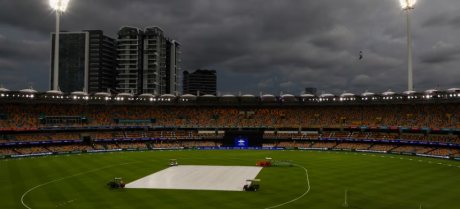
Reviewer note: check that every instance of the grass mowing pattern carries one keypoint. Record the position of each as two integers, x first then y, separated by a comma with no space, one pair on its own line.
372,181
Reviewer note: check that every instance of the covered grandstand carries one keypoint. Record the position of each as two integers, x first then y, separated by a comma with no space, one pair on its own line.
414,122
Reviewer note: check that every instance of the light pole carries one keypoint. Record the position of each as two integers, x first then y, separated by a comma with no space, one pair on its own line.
59,6
407,5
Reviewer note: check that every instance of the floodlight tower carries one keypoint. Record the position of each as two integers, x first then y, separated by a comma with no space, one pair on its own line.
59,6
407,5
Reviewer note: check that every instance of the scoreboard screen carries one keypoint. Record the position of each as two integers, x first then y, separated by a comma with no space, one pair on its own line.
241,142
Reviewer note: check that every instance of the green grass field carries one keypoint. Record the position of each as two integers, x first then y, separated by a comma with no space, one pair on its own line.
372,181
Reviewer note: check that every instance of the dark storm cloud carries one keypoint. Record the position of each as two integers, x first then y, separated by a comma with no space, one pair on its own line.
6,66
442,53
19,49
258,45
452,20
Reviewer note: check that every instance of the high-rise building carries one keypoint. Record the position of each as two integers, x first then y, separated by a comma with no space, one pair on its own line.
87,59
204,81
148,62
310,90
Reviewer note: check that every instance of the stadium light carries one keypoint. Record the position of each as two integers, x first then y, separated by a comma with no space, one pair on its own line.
407,5
59,6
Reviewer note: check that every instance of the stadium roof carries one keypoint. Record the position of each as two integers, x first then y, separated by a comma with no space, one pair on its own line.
345,94
29,90
389,92
409,92
367,94
188,96
103,93
2,89
125,95
429,91
453,89
228,95
54,92
146,95
167,95
326,95
80,93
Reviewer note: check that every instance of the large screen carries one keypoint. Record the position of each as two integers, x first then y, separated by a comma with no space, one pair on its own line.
241,142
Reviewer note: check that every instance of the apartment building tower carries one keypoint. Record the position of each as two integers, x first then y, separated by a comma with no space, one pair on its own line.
204,81
148,62
87,59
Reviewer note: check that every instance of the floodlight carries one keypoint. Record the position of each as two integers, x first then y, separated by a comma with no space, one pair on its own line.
407,4
59,5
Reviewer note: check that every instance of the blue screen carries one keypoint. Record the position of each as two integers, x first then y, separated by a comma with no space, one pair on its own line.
240,142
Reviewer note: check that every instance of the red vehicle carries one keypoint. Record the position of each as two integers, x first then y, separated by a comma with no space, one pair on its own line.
264,163
267,163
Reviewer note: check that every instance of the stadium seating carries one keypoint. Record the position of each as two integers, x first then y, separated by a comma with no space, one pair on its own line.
434,116
324,145
132,145
199,144
360,146
68,148
65,137
383,147
7,151
268,145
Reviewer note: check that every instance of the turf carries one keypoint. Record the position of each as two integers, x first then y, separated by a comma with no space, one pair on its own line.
372,181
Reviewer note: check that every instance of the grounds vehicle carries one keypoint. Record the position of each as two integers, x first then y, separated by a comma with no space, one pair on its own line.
116,183
252,185
267,163
173,162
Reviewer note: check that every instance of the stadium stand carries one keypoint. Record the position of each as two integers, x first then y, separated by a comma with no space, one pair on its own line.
68,148
7,151
324,145
434,116
309,118
383,147
360,146
132,145
268,145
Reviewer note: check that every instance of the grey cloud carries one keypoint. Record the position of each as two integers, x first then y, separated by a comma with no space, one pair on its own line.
265,45
441,54
23,49
444,19
6,66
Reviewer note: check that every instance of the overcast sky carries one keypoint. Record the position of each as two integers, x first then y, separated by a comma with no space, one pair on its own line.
257,45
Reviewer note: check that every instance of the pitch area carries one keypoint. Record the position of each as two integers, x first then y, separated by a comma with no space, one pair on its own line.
375,181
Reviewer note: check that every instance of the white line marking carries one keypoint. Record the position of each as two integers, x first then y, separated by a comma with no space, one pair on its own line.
308,181
22,198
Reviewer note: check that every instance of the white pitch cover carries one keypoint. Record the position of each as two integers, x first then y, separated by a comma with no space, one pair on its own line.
224,178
